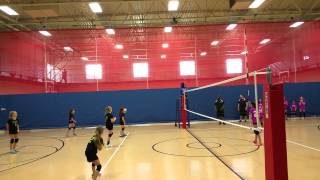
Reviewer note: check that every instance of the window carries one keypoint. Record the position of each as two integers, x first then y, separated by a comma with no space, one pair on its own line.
93,71
187,68
234,66
53,73
140,70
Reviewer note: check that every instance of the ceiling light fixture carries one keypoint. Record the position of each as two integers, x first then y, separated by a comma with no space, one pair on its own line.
110,31
68,49
265,41
119,46
95,7
256,4
173,5
214,43
165,45
45,33
296,24
168,29
8,10
163,56
231,27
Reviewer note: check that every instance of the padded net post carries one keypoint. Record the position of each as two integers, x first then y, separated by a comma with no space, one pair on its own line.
275,134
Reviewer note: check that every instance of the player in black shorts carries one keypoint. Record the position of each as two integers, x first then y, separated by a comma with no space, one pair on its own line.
13,130
72,121
95,144
122,119
242,108
110,120
220,109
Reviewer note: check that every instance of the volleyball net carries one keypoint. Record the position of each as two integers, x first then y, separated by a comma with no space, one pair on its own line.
201,103
255,88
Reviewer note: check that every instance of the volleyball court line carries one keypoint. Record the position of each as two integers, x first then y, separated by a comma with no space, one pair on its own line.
250,128
302,145
105,164
216,156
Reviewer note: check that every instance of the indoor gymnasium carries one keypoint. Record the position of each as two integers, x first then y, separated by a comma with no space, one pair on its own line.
159,89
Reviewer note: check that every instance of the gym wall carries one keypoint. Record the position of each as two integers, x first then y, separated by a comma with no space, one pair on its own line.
144,106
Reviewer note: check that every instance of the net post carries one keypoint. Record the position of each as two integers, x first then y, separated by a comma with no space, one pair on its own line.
276,167
183,111
256,97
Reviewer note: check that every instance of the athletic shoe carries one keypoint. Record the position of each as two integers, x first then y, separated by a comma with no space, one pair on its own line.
123,135
108,146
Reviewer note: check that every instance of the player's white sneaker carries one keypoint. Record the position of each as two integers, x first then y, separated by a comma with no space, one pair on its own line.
109,145
123,135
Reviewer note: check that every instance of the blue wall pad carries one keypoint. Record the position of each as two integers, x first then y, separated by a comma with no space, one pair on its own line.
51,110
310,92
144,106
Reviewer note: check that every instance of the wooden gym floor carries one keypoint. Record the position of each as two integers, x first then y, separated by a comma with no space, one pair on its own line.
160,152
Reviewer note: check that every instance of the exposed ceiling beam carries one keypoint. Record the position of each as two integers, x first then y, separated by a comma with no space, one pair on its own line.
9,26
165,21
13,21
70,2
215,16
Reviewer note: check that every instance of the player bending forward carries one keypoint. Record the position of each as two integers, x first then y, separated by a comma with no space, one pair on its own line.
95,144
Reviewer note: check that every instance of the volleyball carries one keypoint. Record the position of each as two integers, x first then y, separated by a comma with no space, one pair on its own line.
113,120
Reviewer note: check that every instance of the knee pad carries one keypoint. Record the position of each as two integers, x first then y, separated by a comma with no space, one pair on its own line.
93,165
99,168
110,135
16,140
11,141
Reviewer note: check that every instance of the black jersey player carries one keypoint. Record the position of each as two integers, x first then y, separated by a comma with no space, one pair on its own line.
110,120
13,130
94,145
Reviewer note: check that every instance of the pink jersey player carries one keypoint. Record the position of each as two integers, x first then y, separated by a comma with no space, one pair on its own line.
254,115
257,139
293,107
302,105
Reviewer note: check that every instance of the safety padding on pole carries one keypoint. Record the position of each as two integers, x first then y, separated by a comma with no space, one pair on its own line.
276,167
